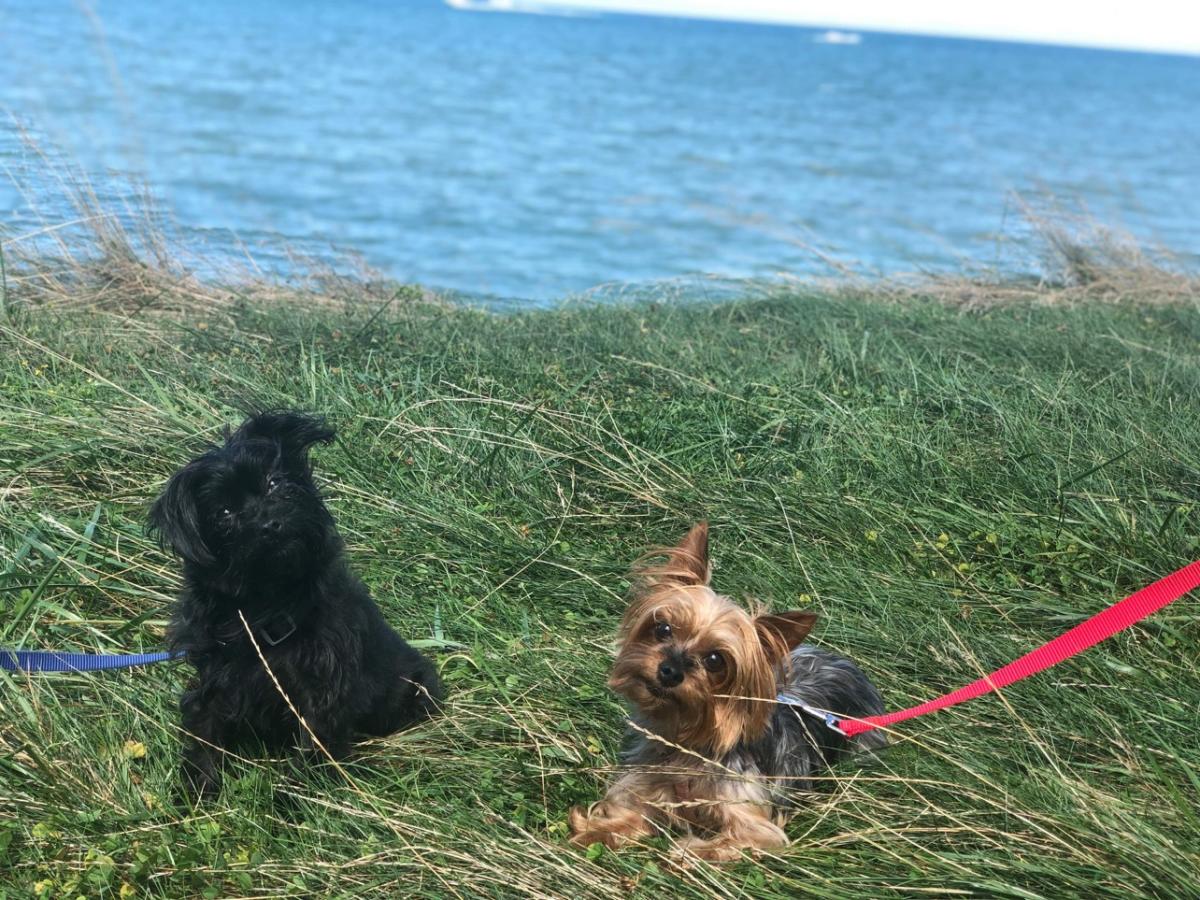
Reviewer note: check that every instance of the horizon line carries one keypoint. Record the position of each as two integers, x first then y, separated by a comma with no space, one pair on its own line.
554,7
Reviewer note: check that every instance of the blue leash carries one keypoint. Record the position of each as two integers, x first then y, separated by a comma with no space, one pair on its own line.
54,661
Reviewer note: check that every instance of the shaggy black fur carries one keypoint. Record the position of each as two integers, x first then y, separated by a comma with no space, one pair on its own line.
255,537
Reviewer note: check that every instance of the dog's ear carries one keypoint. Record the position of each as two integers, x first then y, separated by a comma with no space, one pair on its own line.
175,516
687,563
780,633
296,432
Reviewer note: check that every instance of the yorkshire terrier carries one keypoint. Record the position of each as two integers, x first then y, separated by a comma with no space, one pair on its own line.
261,553
720,740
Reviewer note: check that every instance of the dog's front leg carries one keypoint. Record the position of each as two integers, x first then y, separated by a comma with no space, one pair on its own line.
633,808
325,745
738,827
203,740
323,732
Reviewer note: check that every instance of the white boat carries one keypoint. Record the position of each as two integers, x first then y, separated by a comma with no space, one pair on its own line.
482,5
838,37
517,6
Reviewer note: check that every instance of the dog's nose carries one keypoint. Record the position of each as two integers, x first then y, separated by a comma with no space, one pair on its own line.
669,674
271,526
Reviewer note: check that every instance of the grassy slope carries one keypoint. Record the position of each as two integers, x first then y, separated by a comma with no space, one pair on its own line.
947,490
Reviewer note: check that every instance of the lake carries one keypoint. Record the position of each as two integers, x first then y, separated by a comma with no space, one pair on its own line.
535,156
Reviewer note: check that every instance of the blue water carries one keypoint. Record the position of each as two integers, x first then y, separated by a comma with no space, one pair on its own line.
536,156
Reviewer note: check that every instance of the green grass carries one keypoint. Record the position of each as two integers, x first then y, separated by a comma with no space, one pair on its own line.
947,490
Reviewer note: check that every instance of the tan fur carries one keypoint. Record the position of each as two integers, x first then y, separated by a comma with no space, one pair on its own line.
709,713
705,716
683,794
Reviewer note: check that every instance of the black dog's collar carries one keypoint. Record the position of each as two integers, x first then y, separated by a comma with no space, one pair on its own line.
272,630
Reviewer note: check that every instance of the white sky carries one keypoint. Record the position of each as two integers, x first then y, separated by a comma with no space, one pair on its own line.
1169,25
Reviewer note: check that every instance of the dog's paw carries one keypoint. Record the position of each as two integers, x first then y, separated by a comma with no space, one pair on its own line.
609,839
689,849
577,819
195,787
587,829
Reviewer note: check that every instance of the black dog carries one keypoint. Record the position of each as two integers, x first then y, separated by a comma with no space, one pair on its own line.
256,540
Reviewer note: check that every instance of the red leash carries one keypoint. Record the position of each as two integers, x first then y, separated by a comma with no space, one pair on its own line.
1103,625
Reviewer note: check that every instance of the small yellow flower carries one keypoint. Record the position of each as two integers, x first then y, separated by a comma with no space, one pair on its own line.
127,890
993,538
134,750
43,832
42,887
872,535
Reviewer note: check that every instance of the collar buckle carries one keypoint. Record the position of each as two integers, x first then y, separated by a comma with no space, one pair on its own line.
272,631
276,640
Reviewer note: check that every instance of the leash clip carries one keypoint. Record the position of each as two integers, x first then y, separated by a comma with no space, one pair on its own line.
831,721
834,722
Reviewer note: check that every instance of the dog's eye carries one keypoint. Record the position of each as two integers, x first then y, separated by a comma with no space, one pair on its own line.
713,661
226,512
662,631
274,481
